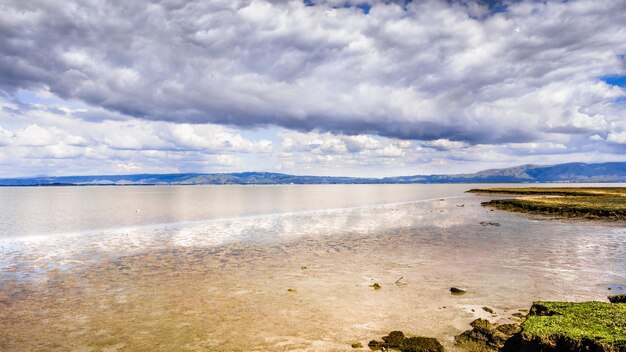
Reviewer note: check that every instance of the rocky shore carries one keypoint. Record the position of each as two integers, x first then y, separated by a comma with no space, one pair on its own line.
548,327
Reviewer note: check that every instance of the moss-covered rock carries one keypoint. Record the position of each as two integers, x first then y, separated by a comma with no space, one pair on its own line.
586,326
396,340
488,310
375,345
421,344
553,327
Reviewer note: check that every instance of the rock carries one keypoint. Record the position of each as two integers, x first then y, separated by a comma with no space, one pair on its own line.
394,339
519,315
357,345
457,290
617,298
509,329
375,345
488,310
486,336
376,286
292,290
482,324
489,223
421,344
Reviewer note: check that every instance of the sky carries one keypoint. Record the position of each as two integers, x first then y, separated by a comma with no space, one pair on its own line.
327,87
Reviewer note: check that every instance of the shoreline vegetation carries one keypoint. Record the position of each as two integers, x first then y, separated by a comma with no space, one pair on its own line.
547,327
553,326
592,203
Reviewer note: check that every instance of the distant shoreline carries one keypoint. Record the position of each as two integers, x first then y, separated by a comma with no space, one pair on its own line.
613,172
301,184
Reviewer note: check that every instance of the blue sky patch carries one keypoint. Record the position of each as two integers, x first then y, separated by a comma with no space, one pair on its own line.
365,7
615,80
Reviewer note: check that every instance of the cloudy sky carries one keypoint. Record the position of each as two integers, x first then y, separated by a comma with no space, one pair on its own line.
333,87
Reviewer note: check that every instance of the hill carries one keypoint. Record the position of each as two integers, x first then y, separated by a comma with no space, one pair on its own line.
570,172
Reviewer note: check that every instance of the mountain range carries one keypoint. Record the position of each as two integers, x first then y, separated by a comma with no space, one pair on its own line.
570,172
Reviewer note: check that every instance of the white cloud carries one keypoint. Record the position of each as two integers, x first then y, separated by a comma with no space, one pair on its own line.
431,70
444,144
35,136
617,137
537,146
5,136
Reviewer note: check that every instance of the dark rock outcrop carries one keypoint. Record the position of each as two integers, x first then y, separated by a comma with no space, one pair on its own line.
618,298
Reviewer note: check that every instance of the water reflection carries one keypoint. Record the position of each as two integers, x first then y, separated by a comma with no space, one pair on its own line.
223,284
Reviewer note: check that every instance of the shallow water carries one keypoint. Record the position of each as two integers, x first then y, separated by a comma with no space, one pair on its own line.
32,211
221,284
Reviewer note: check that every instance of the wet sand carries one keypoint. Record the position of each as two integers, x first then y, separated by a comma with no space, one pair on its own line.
223,285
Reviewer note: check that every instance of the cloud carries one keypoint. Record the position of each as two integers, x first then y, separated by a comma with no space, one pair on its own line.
617,138
444,144
405,87
512,72
34,140
5,137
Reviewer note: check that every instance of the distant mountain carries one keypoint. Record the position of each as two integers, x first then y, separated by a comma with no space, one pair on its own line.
571,172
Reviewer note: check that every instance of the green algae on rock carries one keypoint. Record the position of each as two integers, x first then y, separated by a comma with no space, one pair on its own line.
376,286
421,344
585,326
397,340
